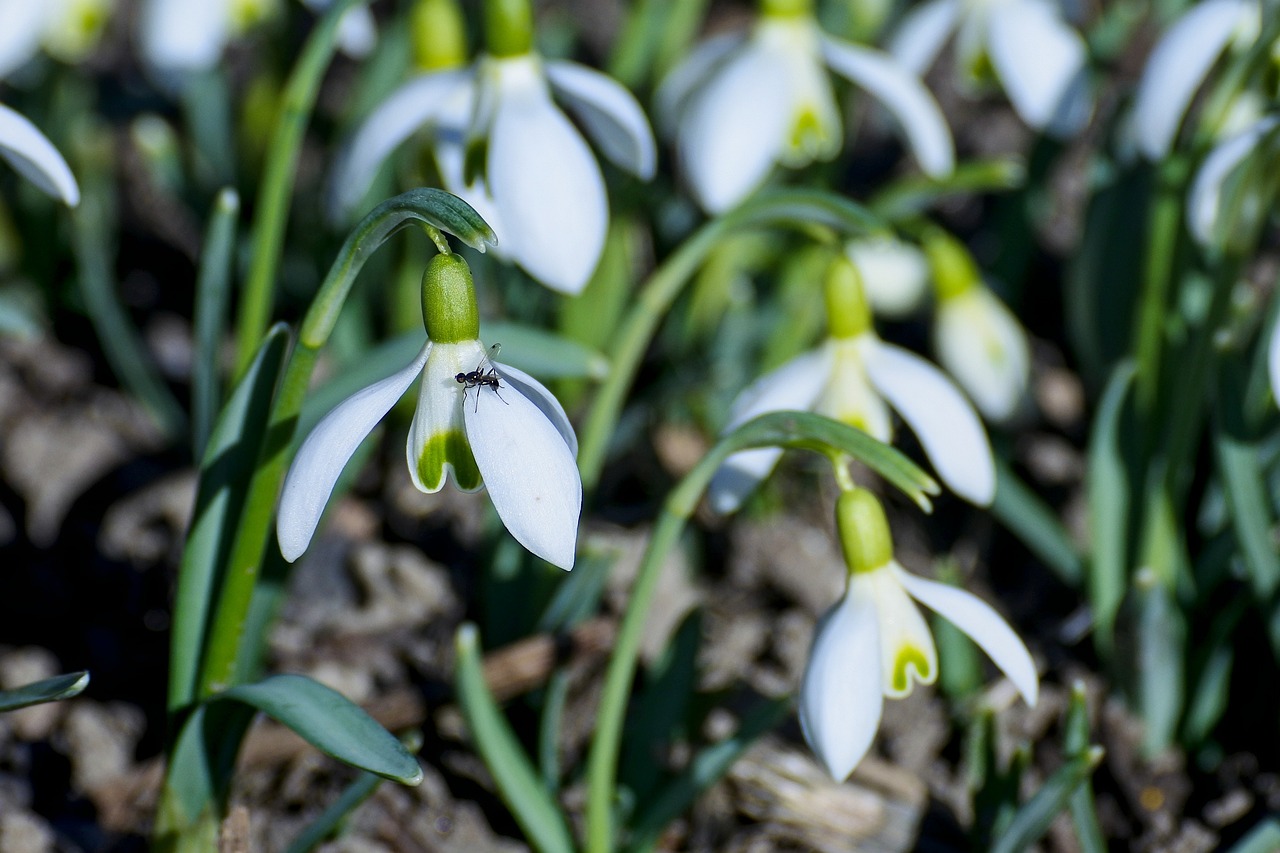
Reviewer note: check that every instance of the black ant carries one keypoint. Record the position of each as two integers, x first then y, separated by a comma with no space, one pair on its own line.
479,378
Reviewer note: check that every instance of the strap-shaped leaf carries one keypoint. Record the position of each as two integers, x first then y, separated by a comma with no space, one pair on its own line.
46,690
1032,820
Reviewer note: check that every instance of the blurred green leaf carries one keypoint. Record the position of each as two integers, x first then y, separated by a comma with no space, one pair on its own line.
213,293
1032,820
912,196
331,723
1107,484
1162,650
543,354
1075,744
1263,838
45,690
1025,514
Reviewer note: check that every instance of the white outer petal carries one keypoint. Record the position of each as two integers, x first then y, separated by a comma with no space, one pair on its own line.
895,275
945,422
357,32
983,346
1176,69
1041,62
612,116
547,188
983,625
35,158
544,400
903,95
795,386
735,128
675,90
1205,198
24,23
919,38
419,101
840,694
530,473
441,400
325,453
184,35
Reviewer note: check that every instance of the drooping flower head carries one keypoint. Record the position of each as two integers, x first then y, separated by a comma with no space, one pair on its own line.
874,643
502,144
741,104
478,422
1026,46
854,377
68,30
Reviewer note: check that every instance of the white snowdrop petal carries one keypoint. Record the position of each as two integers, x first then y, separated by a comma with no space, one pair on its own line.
983,346
794,386
919,38
983,624
35,158
419,101
183,35
840,693
895,275
903,95
907,653
24,25
325,453
357,32
1177,67
675,90
531,476
1205,199
1040,59
612,116
544,400
945,422
735,128
547,188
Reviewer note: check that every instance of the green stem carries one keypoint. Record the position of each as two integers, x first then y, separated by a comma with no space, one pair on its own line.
278,175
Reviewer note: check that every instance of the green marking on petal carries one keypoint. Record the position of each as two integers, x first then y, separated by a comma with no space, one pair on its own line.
475,161
448,448
910,658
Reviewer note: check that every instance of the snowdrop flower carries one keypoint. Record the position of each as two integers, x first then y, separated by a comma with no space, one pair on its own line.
504,146
1038,58
35,158
1179,65
739,104
1231,222
500,429
895,274
186,36
875,643
977,338
854,377
67,29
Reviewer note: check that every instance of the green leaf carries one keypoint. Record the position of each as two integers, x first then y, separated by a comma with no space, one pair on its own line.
213,292
910,197
1107,482
1162,647
1024,513
225,472
1263,838
1084,815
46,690
544,354
331,723
518,783
1032,820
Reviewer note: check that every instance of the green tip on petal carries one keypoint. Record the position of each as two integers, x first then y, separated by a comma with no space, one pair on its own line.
449,301
450,448
439,35
786,8
848,312
864,531
508,27
908,660
954,272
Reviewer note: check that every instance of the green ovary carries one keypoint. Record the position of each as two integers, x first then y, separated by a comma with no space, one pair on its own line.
909,658
448,448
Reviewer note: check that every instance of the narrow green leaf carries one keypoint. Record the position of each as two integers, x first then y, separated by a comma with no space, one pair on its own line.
1263,838
1084,815
1032,820
544,354
1162,642
213,293
331,723
1107,482
327,824
1024,513
517,780
910,197
45,690
225,471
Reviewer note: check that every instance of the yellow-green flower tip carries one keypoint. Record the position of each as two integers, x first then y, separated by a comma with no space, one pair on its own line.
452,449
786,8
954,272
449,301
508,27
439,35
910,658
863,530
848,312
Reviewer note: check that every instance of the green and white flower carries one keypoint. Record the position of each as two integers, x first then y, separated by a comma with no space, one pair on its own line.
513,439
35,158
741,104
66,29
875,643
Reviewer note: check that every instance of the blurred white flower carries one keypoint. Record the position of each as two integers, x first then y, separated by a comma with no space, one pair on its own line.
739,104
35,158
1214,219
895,274
855,380
875,643
66,29
985,348
504,146
1038,58
513,438
1179,65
